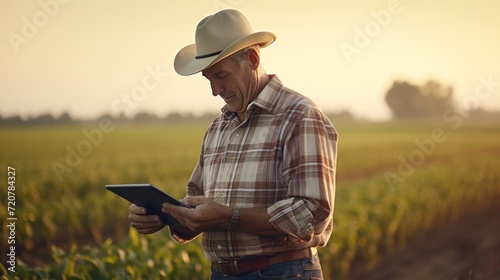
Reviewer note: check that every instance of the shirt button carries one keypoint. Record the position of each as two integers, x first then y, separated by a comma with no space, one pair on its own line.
219,247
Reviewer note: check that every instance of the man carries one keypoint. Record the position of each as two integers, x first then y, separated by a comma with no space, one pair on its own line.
264,187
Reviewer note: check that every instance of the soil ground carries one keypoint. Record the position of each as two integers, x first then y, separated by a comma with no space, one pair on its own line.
467,250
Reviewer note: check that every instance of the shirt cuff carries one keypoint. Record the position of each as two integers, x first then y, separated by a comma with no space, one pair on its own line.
294,217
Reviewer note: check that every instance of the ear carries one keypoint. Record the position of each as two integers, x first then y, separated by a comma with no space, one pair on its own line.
253,58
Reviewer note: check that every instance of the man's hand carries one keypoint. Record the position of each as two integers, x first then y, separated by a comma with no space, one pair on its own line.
143,222
207,215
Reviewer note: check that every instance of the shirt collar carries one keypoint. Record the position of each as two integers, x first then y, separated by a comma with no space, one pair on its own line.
266,99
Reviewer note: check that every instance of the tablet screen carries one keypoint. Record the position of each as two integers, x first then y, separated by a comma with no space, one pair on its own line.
148,196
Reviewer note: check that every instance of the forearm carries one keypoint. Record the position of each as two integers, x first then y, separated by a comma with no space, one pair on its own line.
256,221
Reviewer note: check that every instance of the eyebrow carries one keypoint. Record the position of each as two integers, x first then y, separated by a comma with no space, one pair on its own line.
218,73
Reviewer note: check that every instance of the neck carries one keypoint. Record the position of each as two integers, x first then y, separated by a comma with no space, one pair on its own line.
262,80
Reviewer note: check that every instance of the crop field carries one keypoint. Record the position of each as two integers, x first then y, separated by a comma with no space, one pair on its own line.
395,181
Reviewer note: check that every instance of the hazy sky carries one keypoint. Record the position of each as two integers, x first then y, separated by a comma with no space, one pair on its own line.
90,57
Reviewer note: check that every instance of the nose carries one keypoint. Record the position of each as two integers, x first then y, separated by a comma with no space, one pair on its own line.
217,88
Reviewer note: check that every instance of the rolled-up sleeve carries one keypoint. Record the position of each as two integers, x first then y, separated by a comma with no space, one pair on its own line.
308,168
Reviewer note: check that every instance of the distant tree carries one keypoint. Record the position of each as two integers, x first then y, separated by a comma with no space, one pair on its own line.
404,100
408,101
437,99
145,117
65,118
42,119
108,116
342,115
12,121
480,114
175,117
208,116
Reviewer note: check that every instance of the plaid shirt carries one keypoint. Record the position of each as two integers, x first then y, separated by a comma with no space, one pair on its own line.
283,158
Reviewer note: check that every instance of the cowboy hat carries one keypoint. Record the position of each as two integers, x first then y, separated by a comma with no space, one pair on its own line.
218,36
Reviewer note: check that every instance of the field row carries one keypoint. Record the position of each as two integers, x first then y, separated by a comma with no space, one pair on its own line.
394,182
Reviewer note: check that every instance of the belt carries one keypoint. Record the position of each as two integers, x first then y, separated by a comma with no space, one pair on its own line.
234,268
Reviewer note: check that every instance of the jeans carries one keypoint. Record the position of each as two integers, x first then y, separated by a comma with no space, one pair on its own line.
309,268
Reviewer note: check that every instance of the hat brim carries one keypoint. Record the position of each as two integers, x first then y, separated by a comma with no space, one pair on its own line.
186,64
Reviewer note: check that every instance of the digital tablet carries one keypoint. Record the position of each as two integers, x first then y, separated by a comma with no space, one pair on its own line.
148,196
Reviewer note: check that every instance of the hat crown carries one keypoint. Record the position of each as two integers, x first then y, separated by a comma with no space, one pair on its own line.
216,32
217,37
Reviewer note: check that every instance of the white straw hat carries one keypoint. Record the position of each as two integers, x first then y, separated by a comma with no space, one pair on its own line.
218,36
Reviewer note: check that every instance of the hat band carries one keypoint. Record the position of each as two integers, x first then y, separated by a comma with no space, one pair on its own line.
207,55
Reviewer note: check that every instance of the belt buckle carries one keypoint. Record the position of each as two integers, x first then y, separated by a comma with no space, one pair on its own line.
229,267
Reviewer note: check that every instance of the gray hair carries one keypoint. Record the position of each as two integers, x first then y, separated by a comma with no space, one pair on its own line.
241,55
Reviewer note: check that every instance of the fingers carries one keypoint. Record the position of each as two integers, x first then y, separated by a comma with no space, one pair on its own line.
181,214
205,215
144,224
137,210
147,228
194,200
151,219
172,210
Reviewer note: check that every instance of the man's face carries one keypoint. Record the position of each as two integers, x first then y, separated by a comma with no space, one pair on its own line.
233,82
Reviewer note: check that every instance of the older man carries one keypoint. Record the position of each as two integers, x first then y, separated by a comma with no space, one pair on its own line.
264,187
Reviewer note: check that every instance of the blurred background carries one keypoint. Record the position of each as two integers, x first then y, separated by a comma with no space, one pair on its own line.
89,97
80,57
